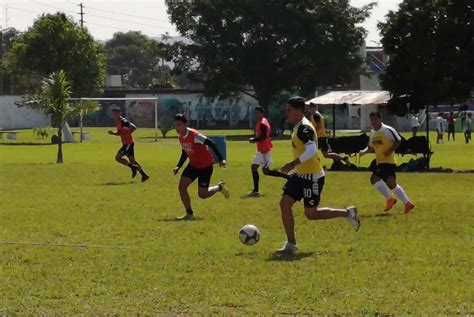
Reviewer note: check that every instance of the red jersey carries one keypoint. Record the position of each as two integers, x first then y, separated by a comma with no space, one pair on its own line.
193,145
265,145
125,129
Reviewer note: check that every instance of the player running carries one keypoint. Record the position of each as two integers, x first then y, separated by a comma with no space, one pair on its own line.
195,147
384,140
125,129
263,157
308,180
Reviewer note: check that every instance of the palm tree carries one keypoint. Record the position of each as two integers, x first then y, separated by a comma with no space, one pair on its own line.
54,100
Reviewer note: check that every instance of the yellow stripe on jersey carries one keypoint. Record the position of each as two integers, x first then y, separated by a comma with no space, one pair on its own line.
382,140
304,132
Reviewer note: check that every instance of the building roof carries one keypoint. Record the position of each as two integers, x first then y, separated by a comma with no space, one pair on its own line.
353,97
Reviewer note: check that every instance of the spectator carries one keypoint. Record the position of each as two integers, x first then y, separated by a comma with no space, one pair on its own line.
440,128
467,127
451,121
415,124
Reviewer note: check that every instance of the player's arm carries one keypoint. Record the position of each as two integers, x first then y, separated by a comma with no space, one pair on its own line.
262,136
132,127
367,150
112,132
218,153
396,139
306,135
181,161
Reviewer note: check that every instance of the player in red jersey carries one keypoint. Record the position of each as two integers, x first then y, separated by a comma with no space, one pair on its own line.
195,147
125,129
263,158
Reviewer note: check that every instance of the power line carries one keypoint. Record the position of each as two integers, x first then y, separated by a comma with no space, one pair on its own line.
127,15
130,22
54,7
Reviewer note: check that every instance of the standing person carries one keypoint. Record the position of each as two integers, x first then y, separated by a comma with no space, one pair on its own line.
262,158
384,140
439,128
319,122
451,129
415,124
195,147
308,180
467,127
125,129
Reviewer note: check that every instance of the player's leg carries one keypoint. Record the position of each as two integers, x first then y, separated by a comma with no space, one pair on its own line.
205,190
312,197
187,178
376,179
399,192
266,167
292,191
119,157
139,168
255,176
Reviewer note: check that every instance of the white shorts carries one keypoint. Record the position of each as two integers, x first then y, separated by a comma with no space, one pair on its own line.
262,160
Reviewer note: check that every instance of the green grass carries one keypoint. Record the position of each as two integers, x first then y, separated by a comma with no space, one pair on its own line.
420,264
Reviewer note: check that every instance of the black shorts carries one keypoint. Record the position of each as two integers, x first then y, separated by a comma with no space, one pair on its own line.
303,186
127,149
202,174
383,170
450,128
323,144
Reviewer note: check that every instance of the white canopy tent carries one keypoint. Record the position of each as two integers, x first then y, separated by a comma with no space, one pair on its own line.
360,104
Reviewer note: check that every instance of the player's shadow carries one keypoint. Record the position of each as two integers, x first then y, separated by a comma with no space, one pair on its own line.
167,219
379,215
118,183
289,257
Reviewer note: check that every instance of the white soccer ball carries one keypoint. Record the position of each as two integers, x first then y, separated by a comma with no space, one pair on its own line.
249,235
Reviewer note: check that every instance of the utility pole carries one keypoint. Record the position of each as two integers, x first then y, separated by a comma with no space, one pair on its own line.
82,15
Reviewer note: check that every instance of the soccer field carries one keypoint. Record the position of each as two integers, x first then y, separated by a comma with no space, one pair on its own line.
84,238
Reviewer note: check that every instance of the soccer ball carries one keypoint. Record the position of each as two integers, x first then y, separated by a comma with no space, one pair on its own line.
249,235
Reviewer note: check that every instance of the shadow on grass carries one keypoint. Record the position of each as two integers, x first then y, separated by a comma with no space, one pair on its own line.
25,144
379,215
176,220
117,183
289,257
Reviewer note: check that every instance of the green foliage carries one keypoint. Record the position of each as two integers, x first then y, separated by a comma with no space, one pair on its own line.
267,46
430,46
419,264
54,43
136,57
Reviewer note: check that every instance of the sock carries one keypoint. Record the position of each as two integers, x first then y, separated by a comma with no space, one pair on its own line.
383,189
142,171
214,188
131,166
189,211
400,193
275,173
256,178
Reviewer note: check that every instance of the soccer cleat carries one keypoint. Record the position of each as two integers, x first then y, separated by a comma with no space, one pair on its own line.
353,217
145,178
252,194
390,203
408,207
224,189
288,248
185,217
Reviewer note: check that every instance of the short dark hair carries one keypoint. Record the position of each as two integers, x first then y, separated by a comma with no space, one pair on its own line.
259,108
180,117
375,114
297,103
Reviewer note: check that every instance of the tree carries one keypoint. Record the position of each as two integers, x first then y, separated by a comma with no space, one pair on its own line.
55,42
430,44
54,100
134,56
7,37
267,46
